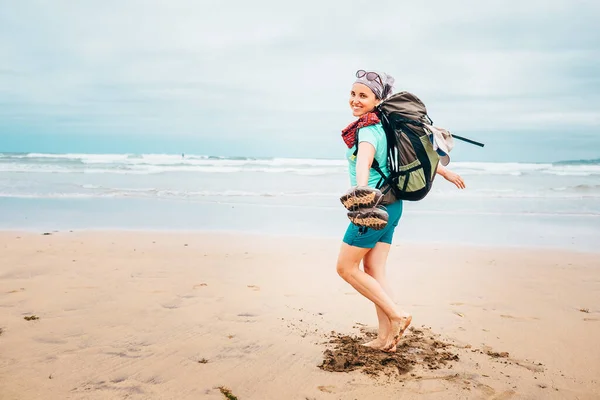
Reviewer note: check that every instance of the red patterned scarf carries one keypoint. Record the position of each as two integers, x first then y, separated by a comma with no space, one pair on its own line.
349,133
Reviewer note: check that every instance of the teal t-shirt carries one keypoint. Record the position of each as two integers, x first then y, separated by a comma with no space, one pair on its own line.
375,135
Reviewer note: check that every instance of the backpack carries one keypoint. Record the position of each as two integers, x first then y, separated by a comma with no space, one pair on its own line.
412,151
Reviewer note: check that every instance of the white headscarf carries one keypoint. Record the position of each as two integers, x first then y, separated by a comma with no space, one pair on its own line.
382,92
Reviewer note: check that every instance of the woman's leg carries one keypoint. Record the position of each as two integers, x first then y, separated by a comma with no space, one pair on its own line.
348,268
374,265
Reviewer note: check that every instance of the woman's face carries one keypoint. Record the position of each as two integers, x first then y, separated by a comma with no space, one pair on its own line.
362,99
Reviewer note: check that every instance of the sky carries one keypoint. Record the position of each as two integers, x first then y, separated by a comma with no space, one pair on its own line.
267,78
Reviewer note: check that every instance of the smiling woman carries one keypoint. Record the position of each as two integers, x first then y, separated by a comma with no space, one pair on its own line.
370,242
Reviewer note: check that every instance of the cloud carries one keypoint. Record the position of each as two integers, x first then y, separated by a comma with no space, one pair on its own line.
280,70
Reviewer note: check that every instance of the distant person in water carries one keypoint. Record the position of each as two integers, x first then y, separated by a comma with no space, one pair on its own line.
366,245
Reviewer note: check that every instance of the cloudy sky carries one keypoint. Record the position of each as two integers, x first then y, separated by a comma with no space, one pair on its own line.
272,77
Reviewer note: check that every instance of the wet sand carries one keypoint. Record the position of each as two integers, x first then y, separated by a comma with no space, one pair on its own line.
147,315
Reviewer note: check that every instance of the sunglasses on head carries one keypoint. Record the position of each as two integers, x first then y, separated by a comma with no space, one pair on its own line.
371,76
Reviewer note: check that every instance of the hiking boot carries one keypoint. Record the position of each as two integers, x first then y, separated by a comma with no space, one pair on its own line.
361,197
374,218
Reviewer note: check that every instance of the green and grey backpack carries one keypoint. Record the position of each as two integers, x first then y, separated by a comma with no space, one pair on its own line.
412,159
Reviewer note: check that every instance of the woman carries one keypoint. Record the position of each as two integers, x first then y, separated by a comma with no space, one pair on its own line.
369,245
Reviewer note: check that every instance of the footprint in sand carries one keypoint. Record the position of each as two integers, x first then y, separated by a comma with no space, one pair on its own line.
122,354
486,390
529,365
199,285
172,304
82,287
49,340
326,389
121,384
505,395
180,301
507,316
155,380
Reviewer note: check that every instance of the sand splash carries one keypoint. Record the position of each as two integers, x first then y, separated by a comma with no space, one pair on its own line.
419,349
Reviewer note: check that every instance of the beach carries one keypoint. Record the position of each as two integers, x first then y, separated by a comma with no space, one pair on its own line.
117,314
171,176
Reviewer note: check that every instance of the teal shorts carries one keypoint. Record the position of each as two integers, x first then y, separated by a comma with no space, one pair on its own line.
367,238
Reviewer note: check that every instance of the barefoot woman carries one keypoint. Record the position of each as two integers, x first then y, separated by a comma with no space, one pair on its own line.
368,245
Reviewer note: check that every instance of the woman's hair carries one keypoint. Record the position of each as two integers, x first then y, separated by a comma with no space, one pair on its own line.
380,83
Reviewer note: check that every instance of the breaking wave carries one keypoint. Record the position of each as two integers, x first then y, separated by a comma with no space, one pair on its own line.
136,164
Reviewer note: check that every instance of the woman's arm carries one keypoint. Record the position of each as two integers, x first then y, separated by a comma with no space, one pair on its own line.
364,159
366,154
450,176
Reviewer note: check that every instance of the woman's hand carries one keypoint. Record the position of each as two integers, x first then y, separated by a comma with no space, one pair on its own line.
451,177
455,178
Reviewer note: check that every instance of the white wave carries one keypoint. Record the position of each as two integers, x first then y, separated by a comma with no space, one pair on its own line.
18,167
504,213
213,162
159,169
170,159
517,169
550,193
152,169
160,163
87,191
307,162
75,156
102,192
55,195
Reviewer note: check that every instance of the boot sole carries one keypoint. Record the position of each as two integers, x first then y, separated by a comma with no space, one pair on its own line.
361,198
371,218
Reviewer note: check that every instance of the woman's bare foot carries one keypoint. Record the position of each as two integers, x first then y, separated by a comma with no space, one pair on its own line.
375,344
398,328
378,344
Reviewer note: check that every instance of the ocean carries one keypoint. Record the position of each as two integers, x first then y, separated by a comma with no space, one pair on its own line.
550,205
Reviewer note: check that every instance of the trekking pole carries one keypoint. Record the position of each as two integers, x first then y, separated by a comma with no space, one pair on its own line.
464,139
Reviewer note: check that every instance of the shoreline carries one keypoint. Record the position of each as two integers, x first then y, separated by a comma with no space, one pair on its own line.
421,223
176,316
275,236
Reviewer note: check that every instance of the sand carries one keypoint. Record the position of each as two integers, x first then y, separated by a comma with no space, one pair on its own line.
148,315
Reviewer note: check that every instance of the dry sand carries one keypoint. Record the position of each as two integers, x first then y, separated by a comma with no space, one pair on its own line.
146,315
